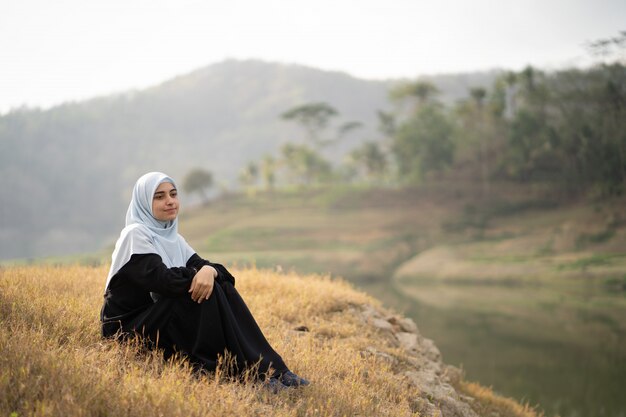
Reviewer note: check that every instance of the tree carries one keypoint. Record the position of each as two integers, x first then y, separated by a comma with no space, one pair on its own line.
607,48
305,165
268,171
530,138
249,176
423,144
386,123
478,94
424,91
477,132
371,158
197,181
588,110
315,119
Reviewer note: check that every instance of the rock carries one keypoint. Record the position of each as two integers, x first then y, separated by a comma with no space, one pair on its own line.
429,349
441,395
415,362
408,341
425,408
421,379
408,325
369,313
386,329
403,324
455,407
421,365
453,374
383,325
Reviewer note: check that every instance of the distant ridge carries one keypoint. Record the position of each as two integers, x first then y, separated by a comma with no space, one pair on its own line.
70,168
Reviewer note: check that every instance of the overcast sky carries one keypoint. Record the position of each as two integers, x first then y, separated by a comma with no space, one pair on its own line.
62,50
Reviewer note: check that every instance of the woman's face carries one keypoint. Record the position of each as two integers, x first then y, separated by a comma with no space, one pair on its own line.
165,202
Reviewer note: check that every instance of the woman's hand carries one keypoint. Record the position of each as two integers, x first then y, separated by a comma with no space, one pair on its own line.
202,284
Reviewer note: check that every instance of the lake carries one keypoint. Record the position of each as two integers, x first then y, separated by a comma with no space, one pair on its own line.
561,347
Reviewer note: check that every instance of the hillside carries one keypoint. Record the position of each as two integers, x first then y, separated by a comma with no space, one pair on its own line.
444,231
55,363
68,168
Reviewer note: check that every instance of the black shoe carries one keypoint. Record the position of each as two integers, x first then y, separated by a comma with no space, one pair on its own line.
292,380
274,385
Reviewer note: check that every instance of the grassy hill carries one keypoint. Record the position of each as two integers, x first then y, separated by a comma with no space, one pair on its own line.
55,363
444,231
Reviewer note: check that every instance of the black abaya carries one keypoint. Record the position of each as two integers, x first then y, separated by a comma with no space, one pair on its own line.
175,323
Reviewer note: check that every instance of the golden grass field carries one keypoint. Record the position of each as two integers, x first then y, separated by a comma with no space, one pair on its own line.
54,362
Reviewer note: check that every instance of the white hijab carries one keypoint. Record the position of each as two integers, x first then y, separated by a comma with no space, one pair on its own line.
145,234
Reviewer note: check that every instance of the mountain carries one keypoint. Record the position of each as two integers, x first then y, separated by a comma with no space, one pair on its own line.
68,170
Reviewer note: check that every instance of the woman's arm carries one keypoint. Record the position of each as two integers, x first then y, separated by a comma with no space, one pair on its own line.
202,283
195,261
150,273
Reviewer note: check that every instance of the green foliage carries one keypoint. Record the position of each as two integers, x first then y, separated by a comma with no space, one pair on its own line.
590,261
570,129
423,144
422,90
304,165
599,237
371,159
268,171
197,181
313,117
530,142
479,133
478,94
477,217
611,46
387,123
249,174
348,127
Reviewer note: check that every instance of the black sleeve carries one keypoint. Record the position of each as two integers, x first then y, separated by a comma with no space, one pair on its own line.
150,273
195,261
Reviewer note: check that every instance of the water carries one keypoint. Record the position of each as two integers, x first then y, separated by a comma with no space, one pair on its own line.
561,348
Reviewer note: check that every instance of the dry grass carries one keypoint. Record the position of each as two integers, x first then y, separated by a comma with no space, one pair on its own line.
55,363
488,403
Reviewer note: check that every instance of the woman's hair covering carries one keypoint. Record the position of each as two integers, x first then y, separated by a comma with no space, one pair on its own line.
145,234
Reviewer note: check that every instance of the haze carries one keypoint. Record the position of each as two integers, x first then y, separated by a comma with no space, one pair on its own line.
52,52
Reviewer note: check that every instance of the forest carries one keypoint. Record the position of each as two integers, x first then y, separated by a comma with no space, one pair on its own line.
564,130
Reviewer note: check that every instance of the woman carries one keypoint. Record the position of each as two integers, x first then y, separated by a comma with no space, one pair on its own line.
158,288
